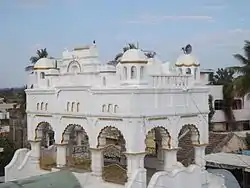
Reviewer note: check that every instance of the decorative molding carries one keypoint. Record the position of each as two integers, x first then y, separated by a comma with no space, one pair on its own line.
157,118
110,119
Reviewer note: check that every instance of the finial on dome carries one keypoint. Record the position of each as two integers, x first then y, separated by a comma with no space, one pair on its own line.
94,41
187,49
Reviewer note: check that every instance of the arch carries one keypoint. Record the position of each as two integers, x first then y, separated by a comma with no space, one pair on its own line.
77,140
133,72
41,106
68,106
115,108
104,108
37,106
195,73
104,81
74,67
156,138
180,70
188,136
46,106
141,72
72,106
125,73
42,75
109,107
188,71
45,133
78,107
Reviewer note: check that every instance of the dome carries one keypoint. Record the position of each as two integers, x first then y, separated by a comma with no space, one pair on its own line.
187,60
134,56
154,61
45,63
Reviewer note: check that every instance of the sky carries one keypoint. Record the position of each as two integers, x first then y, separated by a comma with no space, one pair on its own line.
215,28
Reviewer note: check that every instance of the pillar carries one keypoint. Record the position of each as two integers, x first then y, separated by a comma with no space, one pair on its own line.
199,155
170,157
35,150
97,161
61,154
134,162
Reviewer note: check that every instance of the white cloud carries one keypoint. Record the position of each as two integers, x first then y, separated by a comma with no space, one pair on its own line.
158,19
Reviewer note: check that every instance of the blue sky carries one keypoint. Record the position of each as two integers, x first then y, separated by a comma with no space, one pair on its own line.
215,28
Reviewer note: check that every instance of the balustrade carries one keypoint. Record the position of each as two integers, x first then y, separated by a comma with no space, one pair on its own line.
171,81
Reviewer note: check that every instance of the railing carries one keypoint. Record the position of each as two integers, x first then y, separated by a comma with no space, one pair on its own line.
171,81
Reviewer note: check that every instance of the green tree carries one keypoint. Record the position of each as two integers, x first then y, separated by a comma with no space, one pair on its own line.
225,77
242,83
8,151
42,53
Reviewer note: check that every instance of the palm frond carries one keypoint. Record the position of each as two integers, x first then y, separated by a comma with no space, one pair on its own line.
242,59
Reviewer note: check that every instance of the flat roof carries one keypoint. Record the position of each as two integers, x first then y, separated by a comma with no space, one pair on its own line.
229,159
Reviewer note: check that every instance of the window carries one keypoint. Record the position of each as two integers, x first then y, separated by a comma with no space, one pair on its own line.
133,72
104,108
37,106
74,69
109,107
77,107
68,103
115,108
195,72
104,81
218,104
46,106
42,75
125,72
180,70
41,106
237,104
72,106
142,72
188,71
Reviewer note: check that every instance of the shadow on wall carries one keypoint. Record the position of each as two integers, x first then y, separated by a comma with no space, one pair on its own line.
230,180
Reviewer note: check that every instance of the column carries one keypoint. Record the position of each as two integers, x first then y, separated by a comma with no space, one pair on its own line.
97,161
134,162
170,157
61,154
35,151
199,155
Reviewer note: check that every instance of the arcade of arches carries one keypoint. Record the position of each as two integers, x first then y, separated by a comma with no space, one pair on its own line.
109,159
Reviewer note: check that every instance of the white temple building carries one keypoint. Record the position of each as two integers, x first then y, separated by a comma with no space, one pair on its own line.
116,126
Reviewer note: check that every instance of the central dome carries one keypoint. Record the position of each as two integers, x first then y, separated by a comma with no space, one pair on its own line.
134,56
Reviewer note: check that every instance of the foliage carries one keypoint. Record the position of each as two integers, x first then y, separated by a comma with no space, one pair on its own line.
8,151
248,140
211,110
150,54
42,53
241,83
225,77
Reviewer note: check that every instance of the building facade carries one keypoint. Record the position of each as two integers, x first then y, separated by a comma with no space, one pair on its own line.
130,116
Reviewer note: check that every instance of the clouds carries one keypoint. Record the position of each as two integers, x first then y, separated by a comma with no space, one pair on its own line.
158,19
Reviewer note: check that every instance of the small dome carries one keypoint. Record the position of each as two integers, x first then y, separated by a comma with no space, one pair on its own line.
134,56
154,61
45,63
187,60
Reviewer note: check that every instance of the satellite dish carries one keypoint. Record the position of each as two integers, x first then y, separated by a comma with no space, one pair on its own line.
188,49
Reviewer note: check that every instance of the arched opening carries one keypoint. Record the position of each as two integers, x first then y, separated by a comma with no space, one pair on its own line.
188,71
115,108
37,106
133,72
41,106
78,107
104,108
180,70
68,106
156,139
104,81
42,75
125,73
78,153
72,106
188,136
46,106
115,162
142,72
195,73
45,134
110,108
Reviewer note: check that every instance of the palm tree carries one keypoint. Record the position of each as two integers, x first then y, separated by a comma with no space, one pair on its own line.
241,83
42,53
125,48
225,77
